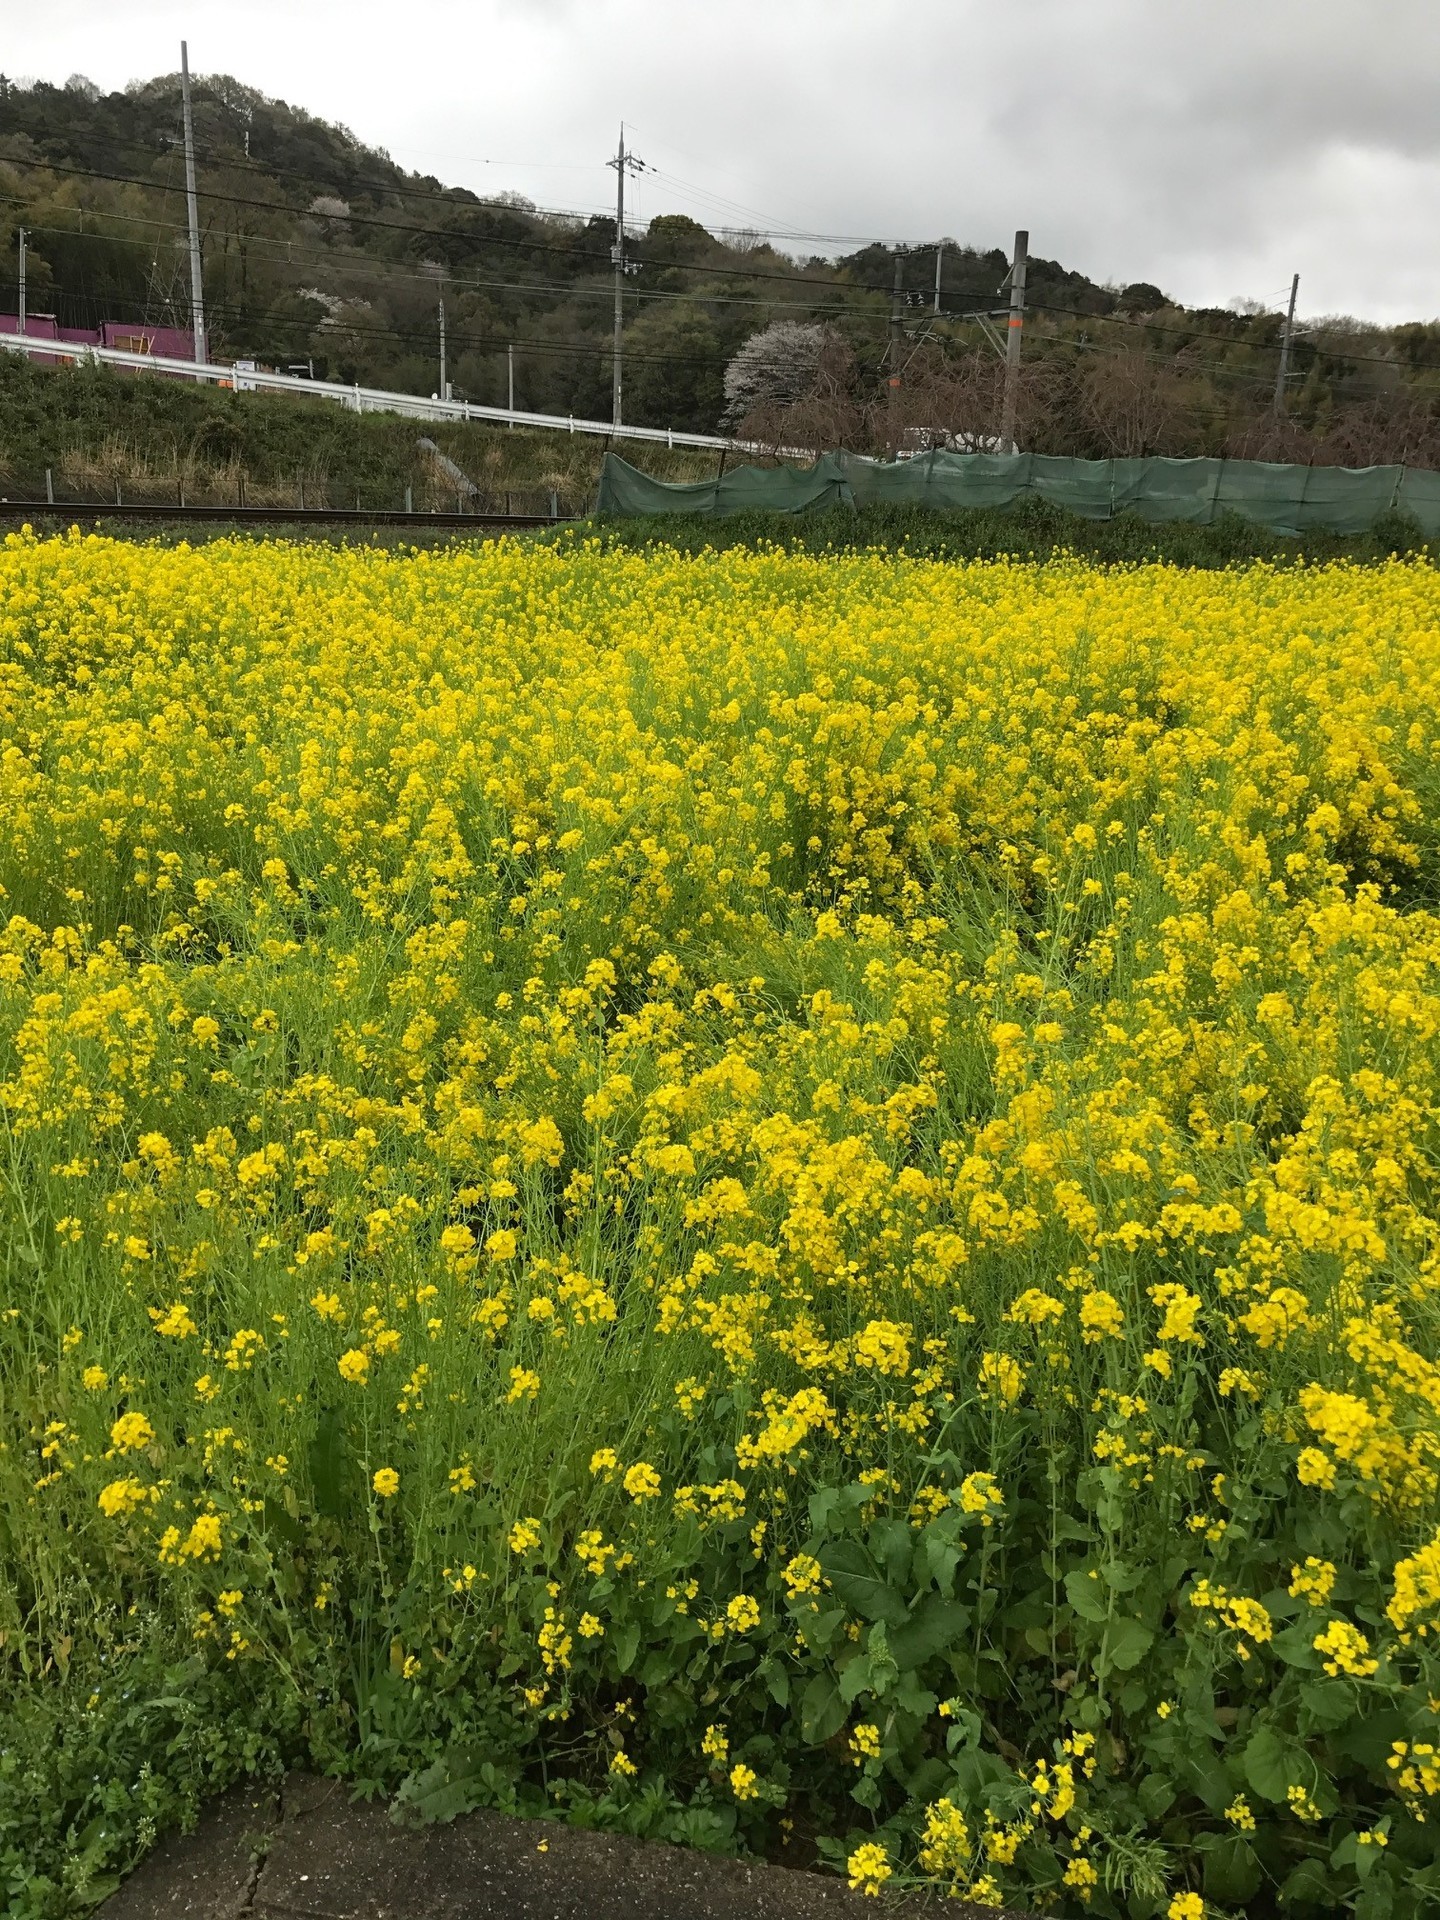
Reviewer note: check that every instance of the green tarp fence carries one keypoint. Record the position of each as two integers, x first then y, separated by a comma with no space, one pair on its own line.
1287,500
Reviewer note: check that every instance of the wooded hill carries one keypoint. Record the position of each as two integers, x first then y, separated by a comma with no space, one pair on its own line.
320,249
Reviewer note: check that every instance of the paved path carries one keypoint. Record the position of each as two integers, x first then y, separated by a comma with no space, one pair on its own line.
308,1852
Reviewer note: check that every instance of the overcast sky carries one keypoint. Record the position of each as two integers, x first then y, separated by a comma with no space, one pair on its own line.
1211,148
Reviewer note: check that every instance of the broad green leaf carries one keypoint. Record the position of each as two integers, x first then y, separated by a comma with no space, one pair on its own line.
891,1543
626,1642
1326,1704
777,1681
822,1711
1274,1764
935,1625
855,1678
1086,1593
1232,1872
1310,1885
854,1580
327,1465
1295,1646
1126,1644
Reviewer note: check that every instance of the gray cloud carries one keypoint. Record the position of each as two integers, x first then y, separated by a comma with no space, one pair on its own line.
1213,148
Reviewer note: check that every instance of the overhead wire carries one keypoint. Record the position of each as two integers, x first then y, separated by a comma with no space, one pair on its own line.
530,244
525,244
370,268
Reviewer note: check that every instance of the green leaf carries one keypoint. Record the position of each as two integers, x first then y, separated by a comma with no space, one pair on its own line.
855,1677
1087,1595
854,1580
96,1890
1126,1644
1156,1795
1377,1896
935,1625
892,1542
822,1712
1294,1645
626,1643
1369,1740
437,1795
1309,1885
1121,1576
777,1681
1273,1764
910,1697
1326,1704
939,1558
327,1465
280,1523
1232,1873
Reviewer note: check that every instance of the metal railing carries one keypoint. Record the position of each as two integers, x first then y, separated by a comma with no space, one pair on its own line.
244,379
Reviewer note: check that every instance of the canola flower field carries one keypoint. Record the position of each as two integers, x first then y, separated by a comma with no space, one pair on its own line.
788,1202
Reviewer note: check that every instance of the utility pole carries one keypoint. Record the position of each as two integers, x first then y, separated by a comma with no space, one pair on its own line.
23,237
443,394
1012,342
1285,349
896,342
510,369
621,161
197,286
939,256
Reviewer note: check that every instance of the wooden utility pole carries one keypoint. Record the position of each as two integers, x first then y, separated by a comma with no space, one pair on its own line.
939,257
1012,342
1285,337
197,287
510,372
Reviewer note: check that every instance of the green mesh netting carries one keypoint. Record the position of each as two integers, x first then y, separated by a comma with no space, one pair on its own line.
1287,500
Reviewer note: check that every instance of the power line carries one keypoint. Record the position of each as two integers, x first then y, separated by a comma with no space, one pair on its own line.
834,284
376,266
450,233
369,267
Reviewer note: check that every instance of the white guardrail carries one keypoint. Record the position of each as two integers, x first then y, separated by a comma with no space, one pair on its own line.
245,379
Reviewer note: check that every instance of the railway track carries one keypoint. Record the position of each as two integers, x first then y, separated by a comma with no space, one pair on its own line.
80,512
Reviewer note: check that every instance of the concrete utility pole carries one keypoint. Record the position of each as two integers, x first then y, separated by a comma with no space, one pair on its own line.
618,256
23,237
510,369
897,337
621,161
443,394
1285,349
197,286
1012,342
939,256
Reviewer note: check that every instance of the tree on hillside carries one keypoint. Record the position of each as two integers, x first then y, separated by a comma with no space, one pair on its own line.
674,239
1135,405
829,413
674,369
777,367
